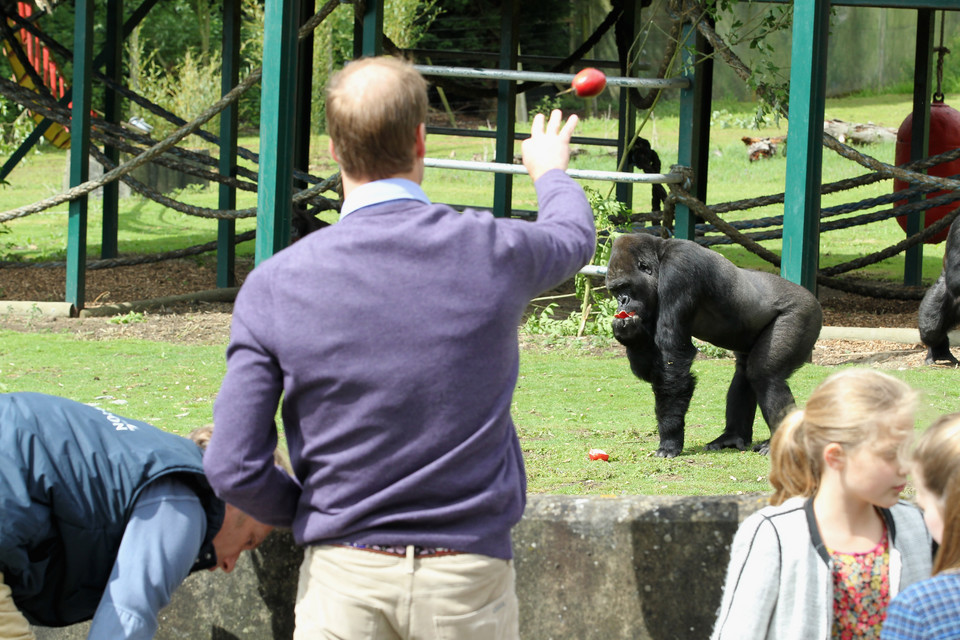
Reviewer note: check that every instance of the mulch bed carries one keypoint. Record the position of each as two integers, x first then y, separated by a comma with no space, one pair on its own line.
209,323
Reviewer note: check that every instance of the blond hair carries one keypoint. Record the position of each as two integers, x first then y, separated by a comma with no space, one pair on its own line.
937,455
852,407
374,109
201,436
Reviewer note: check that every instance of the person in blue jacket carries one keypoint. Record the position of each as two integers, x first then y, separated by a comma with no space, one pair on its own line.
102,517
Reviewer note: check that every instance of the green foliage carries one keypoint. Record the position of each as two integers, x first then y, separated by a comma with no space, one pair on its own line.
546,105
15,126
596,306
548,322
189,82
708,350
405,23
128,318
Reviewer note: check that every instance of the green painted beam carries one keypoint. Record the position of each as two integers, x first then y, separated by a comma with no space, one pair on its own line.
368,31
627,122
506,109
79,151
227,197
301,144
694,143
801,215
113,57
920,140
277,113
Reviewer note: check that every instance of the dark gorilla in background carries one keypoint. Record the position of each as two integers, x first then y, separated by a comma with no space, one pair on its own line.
669,291
940,309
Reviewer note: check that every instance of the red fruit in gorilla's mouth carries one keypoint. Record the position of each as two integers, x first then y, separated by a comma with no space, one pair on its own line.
625,314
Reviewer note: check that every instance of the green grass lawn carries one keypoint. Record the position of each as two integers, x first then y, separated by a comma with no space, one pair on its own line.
571,397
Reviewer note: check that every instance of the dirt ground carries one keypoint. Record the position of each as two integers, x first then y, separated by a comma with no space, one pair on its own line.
209,323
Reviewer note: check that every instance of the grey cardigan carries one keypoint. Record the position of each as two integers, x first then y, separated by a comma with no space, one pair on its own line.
779,582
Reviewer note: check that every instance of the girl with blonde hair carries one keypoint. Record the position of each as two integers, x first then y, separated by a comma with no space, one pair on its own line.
836,543
931,608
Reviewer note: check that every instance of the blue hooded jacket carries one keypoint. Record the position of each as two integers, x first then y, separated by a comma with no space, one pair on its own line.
70,474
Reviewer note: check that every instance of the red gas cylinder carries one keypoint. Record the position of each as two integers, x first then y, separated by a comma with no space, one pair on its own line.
944,136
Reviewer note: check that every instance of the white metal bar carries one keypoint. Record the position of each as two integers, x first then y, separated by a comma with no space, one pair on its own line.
542,76
593,270
580,174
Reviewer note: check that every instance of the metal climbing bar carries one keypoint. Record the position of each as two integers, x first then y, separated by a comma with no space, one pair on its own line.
580,174
544,76
596,270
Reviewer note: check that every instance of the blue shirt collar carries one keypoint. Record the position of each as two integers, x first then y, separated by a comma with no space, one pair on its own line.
380,191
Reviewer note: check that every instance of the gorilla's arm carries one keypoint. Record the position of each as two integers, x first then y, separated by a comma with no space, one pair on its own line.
940,308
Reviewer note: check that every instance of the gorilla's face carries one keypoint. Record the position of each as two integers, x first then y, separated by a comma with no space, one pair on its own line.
632,277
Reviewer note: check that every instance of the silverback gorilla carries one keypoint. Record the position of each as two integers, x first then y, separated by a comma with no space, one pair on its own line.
669,291
940,309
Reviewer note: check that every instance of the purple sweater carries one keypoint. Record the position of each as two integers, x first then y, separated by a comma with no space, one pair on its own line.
392,337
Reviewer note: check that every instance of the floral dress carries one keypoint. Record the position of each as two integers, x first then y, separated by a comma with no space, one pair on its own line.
861,591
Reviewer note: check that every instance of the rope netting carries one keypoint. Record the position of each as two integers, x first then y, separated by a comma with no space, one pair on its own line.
164,152
732,232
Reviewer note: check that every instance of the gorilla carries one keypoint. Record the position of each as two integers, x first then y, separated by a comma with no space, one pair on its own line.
940,308
669,291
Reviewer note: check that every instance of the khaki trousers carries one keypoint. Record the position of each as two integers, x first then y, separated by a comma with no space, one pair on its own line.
348,594
13,626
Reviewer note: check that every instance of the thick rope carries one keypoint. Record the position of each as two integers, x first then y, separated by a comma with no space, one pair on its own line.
159,111
109,263
140,160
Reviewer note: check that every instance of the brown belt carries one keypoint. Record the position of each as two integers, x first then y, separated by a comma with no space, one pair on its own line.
400,551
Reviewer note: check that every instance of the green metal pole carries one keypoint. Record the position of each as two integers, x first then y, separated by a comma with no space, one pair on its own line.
920,139
801,214
694,123
627,123
229,76
506,110
277,112
79,151
370,30
301,148
113,50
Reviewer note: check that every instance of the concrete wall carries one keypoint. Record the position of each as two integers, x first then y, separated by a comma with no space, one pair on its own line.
637,567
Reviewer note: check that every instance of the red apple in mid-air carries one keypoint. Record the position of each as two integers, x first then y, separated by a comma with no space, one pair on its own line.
589,82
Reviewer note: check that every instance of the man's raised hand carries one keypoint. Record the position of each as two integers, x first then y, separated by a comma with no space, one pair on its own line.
548,147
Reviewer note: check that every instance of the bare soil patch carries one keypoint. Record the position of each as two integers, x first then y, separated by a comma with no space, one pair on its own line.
195,322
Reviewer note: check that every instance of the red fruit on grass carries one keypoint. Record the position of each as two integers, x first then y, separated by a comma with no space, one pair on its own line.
598,454
589,82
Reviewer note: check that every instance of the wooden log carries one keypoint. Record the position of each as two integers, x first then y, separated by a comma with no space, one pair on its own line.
211,295
859,133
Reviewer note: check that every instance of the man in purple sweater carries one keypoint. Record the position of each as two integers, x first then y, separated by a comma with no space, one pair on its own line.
391,337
